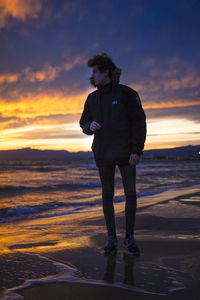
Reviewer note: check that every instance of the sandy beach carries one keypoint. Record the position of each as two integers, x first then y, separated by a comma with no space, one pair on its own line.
67,261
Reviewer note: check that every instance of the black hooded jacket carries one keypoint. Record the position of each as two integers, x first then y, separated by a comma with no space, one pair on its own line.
117,108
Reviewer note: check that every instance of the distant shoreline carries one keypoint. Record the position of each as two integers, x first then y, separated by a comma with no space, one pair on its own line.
189,152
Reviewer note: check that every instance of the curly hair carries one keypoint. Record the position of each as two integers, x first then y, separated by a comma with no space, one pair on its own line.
104,62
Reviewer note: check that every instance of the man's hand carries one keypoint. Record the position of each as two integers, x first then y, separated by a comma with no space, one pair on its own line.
134,159
95,126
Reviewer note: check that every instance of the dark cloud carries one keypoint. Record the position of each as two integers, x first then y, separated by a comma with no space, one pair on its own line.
190,113
49,134
6,119
55,119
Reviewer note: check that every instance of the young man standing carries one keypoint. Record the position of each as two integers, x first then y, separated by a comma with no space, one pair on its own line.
114,114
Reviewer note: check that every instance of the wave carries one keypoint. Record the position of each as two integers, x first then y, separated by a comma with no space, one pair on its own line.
19,212
31,168
61,186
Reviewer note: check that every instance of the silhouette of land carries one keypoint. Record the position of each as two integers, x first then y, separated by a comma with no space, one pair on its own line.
186,152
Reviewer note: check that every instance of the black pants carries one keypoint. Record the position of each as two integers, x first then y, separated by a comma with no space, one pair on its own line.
128,174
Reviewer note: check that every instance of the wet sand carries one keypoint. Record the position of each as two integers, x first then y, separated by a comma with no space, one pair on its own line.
67,260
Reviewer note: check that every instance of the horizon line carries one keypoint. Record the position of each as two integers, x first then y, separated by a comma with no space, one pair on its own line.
90,150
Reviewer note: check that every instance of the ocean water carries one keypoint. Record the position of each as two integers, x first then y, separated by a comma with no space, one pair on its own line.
37,237
35,189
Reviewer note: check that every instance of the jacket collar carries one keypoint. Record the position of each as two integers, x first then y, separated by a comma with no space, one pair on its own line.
104,89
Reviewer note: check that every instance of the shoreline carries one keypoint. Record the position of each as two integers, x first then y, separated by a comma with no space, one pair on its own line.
167,233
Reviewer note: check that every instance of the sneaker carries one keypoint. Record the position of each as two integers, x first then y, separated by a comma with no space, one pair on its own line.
111,246
130,245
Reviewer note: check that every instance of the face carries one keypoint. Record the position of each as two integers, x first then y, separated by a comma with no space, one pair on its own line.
99,78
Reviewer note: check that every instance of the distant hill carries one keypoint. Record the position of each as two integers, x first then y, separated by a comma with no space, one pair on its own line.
186,152
36,154
178,152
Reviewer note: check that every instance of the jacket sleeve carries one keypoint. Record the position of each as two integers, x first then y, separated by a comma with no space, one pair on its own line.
138,122
86,119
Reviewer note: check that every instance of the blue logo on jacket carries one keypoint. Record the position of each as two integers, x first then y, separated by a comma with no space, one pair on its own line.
115,102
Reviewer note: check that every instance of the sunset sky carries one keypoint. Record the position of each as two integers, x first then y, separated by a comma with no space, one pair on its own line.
44,49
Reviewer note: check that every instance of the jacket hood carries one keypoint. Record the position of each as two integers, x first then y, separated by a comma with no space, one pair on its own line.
116,73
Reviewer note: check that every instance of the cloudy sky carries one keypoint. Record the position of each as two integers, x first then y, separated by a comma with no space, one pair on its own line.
44,49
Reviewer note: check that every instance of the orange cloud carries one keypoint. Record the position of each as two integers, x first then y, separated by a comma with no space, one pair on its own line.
8,78
43,104
48,73
168,104
168,81
19,9
73,62
174,86
29,120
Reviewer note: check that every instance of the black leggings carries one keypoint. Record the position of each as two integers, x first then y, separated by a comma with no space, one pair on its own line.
128,174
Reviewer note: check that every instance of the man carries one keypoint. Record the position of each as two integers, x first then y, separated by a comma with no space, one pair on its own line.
114,114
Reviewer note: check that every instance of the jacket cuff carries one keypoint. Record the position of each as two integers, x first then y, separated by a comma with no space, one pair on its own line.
86,129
